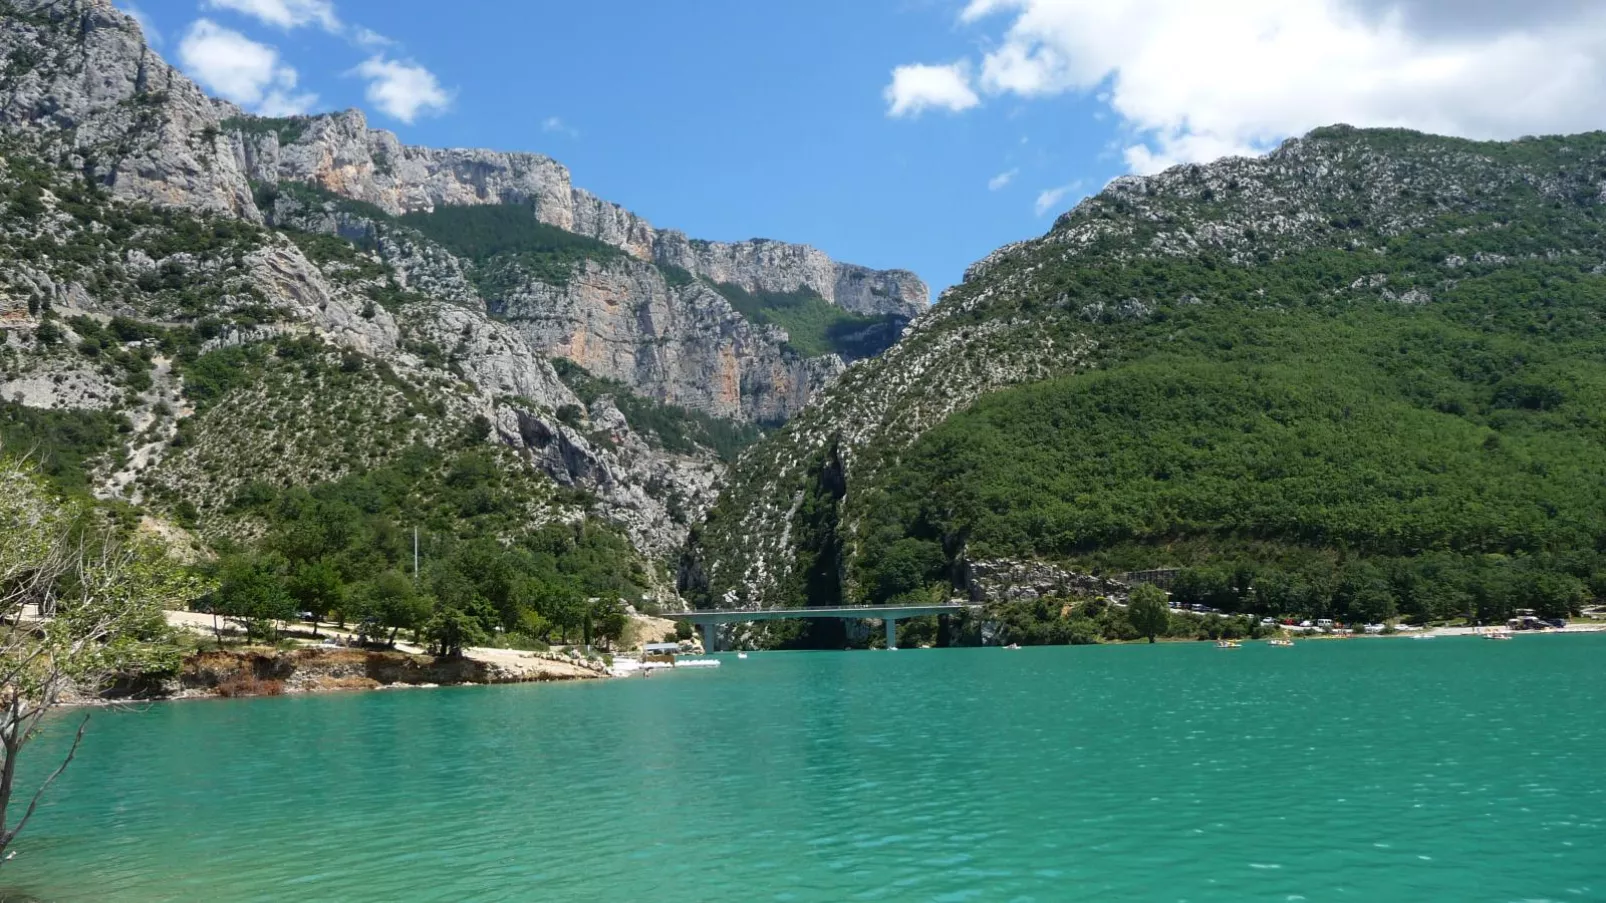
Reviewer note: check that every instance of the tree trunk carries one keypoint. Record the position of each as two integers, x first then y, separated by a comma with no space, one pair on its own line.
15,735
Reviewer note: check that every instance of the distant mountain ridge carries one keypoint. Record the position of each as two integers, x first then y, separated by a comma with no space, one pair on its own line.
203,311
1359,376
108,103
341,154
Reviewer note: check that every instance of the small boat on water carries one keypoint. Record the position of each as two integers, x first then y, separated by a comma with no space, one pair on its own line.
1424,636
1280,644
741,655
659,657
1013,647
1497,635
1228,644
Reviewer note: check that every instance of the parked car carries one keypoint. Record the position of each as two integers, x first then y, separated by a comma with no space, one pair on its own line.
1556,622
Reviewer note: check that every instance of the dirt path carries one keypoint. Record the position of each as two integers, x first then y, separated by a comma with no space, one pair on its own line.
527,665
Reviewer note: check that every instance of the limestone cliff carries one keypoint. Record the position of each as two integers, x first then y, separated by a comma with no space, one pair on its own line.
80,78
341,154
227,300
655,317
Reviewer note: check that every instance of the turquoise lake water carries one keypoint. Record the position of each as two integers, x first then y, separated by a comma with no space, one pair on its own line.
1376,770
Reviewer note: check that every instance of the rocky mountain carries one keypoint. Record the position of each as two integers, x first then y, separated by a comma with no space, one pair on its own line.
80,77
748,330
342,155
666,316
205,313
1360,376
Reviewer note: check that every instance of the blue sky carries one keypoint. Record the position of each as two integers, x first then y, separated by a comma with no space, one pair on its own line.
734,121
908,133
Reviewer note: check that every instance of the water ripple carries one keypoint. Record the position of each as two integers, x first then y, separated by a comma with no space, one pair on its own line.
1377,770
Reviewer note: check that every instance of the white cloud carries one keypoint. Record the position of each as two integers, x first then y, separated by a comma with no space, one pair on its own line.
285,13
403,90
918,88
291,14
239,69
1049,199
284,102
153,37
367,37
1002,179
555,126
1192,81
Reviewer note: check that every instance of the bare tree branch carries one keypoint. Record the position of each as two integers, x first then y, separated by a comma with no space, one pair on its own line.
33,804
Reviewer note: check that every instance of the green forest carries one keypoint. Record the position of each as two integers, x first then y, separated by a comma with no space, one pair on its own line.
1359,458
344,551
497,236
814,326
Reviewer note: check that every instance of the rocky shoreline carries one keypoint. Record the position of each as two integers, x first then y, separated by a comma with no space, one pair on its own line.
260,671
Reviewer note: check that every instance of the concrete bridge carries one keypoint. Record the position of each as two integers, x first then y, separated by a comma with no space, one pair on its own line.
709,621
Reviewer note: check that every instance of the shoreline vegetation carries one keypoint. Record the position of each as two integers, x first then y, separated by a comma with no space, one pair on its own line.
257,671
219,659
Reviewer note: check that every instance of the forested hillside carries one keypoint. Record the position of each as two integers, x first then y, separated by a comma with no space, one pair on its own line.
1363,377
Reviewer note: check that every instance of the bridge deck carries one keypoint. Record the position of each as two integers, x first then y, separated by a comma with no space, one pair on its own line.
736,616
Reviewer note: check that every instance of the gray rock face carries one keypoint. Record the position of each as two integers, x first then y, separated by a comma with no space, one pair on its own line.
652,494
493,356
340,153
681,344
82,81
81,78
285,277
618,317
1008,580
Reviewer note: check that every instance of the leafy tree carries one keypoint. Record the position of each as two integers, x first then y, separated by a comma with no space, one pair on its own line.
608,621
1148,611
397,603
905,567
451,630
105,597
252,592
318,589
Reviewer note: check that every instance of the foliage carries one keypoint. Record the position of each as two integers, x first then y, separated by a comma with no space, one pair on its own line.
1384,432
102,600
348,546
1051,621
450,630
252,591
1359,379
317,197
1148,610
61,442
508,242
814,326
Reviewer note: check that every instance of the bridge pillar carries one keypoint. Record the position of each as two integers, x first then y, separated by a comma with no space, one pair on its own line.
892,632
710,636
